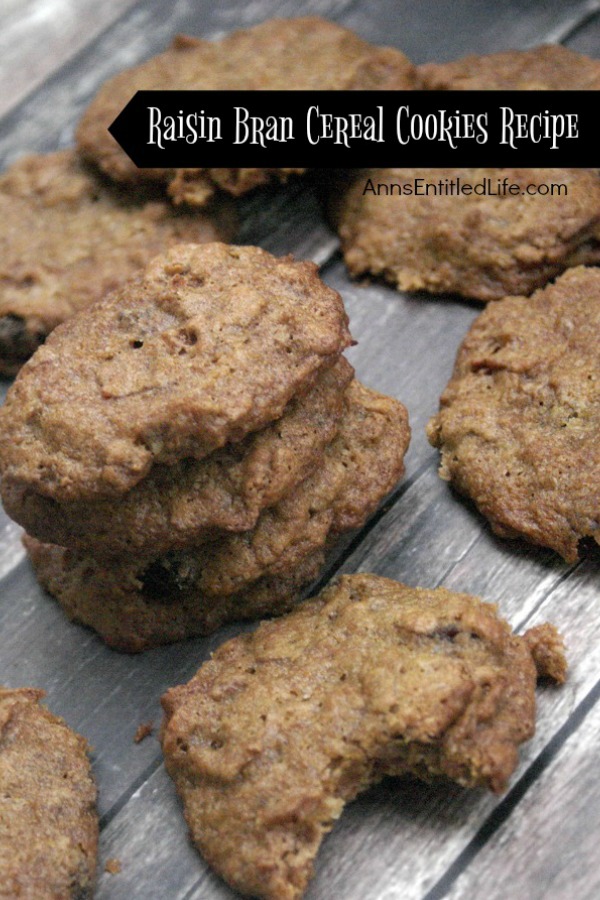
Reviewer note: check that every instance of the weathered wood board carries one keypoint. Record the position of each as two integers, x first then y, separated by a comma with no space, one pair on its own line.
402,839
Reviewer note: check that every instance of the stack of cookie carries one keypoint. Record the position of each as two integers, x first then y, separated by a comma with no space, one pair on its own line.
189,447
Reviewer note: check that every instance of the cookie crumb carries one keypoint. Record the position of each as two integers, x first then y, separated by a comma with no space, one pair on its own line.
112,866
143,730
548,650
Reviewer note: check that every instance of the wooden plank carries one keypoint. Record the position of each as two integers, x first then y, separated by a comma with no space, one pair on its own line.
551,838
159,853
406,346
61,27
46,120
441,30
400,839
586,37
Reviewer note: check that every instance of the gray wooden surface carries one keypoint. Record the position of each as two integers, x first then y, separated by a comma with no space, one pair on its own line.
402,839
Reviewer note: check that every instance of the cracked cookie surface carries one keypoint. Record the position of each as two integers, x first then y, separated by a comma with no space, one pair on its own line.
519,420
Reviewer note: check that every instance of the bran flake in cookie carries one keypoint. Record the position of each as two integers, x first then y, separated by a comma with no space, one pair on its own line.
519,420
282,727
280,54
48,819
483,247
209,344
68,237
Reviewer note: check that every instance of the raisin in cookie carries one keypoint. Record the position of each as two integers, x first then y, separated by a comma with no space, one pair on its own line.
134,609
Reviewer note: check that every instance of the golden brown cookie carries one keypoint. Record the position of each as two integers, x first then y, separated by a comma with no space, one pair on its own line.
545,68
519,420
480,246
238,575
48,819
185,503
133,611
209,344
360,466
282,727
280,54
68,236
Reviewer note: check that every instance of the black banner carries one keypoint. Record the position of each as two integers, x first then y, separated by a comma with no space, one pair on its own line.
347,129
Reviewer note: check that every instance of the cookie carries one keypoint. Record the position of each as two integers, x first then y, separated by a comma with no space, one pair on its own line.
361,465
48,819
197,187
209,344
133,611
67,237
239,575
482,247
519,420
280,54
185,503
545,68
282,727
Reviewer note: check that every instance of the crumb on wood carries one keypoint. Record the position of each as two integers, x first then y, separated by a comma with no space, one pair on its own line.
112,866
143,730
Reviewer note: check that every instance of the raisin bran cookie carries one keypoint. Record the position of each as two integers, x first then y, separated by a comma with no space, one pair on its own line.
239,575
519,420
280,54
187,502
282,727
48,819
546,68
67,237
482,247
360,466
209,344
135,610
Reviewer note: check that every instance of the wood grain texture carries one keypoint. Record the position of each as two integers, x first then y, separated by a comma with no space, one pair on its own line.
40,36
562,809
402,839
